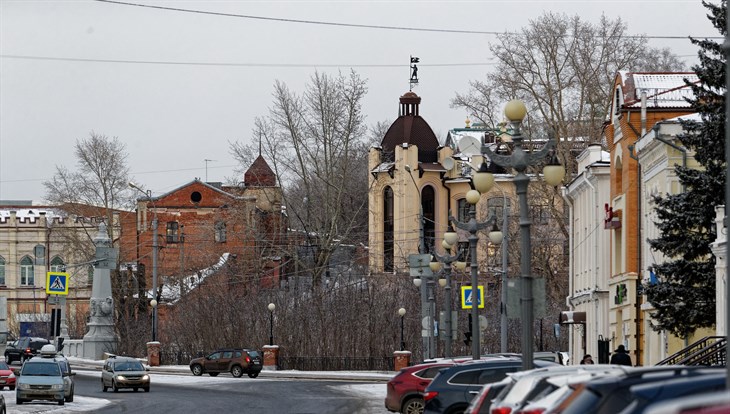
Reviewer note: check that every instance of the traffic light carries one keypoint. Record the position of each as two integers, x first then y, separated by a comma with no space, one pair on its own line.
467,338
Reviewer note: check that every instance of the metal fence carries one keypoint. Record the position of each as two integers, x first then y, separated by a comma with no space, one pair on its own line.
170,357
303,363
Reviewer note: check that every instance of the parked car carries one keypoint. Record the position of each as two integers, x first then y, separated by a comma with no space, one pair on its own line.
405,388
27,347
7,377
40,379
706,403
124,372
237,361
453,388
612,394
646,395
49,351
526,386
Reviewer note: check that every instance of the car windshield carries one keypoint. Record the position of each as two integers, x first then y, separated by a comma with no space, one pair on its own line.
128,366
253,354
41,369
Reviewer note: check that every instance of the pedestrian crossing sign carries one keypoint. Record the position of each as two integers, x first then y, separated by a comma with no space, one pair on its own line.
467,297
57,283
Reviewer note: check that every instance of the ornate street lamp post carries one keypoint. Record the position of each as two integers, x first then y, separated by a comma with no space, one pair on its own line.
473,226
271,323
446,259
402,313
553,173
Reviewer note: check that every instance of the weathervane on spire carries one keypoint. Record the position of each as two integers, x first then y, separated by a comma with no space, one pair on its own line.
414,72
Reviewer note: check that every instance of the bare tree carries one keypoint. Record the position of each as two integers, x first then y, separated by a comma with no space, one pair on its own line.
563,68
99,185
315,143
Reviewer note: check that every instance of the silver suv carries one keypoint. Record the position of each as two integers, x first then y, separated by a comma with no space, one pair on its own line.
124,372
40,379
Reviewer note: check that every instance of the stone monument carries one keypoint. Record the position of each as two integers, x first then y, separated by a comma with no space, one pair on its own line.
101,337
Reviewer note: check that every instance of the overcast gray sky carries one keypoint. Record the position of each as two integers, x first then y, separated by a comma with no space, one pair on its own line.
177,86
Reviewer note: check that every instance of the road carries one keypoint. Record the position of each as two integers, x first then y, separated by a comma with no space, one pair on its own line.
185,393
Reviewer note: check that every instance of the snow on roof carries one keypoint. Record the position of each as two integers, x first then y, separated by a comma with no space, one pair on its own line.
26,212
663,90
171,291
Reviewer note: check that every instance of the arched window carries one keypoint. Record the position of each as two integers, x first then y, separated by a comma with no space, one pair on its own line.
388,222
2,270
27,277
57,265
428,203
220,231
462,208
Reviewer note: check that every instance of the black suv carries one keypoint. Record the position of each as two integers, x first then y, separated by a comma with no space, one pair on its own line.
454,387
237,361
26,348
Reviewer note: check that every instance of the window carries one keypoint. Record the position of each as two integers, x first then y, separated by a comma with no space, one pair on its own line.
462,210
214,356
495,205
173,232
2,271
39,251
220,232
428,205
26,272
228,354
388,220
465,378
57,265
463,252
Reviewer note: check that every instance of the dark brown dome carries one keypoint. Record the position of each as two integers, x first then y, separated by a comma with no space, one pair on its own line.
410,128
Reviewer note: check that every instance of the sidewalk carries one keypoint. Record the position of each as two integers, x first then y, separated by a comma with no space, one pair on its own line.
375,376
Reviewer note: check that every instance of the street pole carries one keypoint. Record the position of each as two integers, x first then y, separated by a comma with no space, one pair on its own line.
271,308
472,226
154,274
519,160
447,259
503,323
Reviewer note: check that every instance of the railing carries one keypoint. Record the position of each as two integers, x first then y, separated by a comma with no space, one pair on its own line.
170,357
336,363
710,350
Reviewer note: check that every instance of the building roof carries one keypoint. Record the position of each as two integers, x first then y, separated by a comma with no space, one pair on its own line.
259,174
410,128
663,89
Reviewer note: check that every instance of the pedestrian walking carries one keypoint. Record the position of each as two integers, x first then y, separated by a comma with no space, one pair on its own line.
621,357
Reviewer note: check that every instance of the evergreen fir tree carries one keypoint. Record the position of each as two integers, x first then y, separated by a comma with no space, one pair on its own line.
684,298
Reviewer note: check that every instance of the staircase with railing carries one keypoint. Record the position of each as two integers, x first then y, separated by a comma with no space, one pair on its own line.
708,351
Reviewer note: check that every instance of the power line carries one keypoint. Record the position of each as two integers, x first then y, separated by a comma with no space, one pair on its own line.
261,65
361,26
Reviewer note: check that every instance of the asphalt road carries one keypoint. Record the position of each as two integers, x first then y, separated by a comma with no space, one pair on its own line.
244,395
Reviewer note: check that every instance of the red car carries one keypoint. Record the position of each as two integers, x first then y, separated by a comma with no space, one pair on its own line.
405,388
7,378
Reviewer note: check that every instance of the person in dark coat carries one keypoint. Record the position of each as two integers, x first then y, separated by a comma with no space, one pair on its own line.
621,357
587,360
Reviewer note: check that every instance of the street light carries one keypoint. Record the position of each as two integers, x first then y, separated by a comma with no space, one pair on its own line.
473,226
271,323
153,303
446,259
553,173
402,313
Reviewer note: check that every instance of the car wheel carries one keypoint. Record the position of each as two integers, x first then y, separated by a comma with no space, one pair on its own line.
71,396
413,406
147,389
12,387
114,386
237,371
61,401
253,374
136,389
103,387
213,374
197,370
18,401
